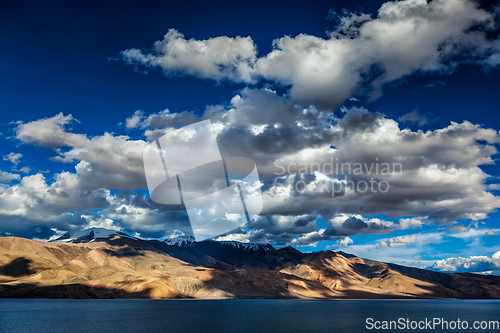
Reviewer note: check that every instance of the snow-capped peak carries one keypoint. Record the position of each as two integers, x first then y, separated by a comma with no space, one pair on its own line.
179,238
89,235
248,246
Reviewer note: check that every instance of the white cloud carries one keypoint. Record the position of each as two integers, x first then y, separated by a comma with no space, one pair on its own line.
361,55
49,132
346,241
406,36
342,226
242,238
7,177
419,239
157,124
216,58
107,161
13,158
398,241
471,264
33,204
100,222
441,179
417,246
470,233
133,121
23,169
34,208
310,239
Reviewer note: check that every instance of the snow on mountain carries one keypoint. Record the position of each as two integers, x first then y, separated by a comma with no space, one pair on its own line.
248,246
89,235
179,238
176,238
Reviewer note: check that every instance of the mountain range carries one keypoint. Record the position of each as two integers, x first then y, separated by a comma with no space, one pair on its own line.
101,263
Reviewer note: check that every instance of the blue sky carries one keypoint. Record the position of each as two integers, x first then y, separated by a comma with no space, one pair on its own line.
379,75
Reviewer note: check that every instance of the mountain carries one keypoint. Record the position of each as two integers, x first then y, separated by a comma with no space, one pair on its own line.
99,264
179,238
89,235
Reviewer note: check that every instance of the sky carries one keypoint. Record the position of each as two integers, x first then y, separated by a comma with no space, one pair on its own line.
411,86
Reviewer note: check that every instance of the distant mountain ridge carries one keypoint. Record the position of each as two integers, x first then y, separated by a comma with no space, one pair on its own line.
93,234
88,235
100,263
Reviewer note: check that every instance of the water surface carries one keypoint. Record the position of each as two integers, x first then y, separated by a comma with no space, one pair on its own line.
34,315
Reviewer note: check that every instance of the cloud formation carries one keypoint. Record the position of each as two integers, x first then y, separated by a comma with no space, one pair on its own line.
106,161
468,265
298,151
7,177
361,55
34,208
215,58
13,158
295,139
343,225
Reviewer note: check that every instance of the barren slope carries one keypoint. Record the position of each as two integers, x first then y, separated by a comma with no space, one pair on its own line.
31,268
120,267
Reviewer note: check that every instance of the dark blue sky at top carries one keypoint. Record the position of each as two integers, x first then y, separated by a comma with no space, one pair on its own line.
58,57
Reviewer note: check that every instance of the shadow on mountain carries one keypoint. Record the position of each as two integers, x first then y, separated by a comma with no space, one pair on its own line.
228,255
463,285
70,291
17,268
121,267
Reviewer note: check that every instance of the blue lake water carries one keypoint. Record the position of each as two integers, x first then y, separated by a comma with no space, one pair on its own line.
36,316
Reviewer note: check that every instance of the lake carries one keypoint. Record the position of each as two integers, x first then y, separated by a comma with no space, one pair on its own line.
36,316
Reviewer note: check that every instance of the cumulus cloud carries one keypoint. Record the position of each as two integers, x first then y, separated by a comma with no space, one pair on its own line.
49,132
466,233
106,161
157,124
419,249
23,169
34,208
402,241
415,240
435,176
398,241
7,177
342,226
346,241
360,56
297,150
312,238
215,58
471,264
276,229
132,121
13,158
439,171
